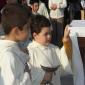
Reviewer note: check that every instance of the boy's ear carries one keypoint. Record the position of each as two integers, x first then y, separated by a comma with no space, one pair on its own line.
34,35
15,30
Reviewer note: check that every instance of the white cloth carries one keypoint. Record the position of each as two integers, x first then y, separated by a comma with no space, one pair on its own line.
43,10
48,56
78,26
77,65
83,3
77,29
12,64
59,12
28,2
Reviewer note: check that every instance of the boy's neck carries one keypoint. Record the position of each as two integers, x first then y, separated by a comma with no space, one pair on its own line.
43,44
12,38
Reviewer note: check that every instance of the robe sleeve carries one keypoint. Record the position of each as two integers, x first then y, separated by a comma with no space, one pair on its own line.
43,10
64,62
50,3
60,5
11,71
63,4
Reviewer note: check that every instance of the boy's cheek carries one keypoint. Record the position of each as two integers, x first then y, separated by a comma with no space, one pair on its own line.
23,36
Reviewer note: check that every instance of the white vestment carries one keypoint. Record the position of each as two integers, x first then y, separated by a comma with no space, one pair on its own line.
77,64
48,56
12,64
77,29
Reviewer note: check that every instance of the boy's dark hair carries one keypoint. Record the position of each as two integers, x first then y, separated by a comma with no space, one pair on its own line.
37,24
29,8
14,15
34,1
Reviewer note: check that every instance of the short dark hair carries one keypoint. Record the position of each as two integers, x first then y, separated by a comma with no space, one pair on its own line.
38,22
14,15
34,1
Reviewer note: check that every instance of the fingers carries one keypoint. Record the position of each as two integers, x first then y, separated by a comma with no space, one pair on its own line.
66,31
66,28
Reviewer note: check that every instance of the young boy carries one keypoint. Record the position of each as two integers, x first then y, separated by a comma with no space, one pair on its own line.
35,6
45,58
13,62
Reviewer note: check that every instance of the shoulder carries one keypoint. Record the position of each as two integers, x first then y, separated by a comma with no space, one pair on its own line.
30,46
42,4
53,46
7,58
56,48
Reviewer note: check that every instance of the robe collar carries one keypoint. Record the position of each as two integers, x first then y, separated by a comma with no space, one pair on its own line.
36,44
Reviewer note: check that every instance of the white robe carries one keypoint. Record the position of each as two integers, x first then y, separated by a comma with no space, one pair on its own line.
49,56
43,10
77,64
12,64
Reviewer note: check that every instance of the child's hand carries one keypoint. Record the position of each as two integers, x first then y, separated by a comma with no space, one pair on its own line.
67,43
54,7
66,34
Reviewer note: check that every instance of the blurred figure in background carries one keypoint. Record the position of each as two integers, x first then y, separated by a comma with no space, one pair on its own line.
72,11
43,9
35,6
57,15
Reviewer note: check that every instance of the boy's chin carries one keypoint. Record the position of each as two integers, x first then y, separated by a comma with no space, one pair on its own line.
47,43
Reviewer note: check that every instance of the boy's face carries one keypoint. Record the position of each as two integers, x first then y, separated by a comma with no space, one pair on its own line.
44,37
35,7
22,35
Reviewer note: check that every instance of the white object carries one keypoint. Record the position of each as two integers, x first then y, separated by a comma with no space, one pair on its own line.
77,65
43,10
12,64
78,27
48,56
83,4
59,12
